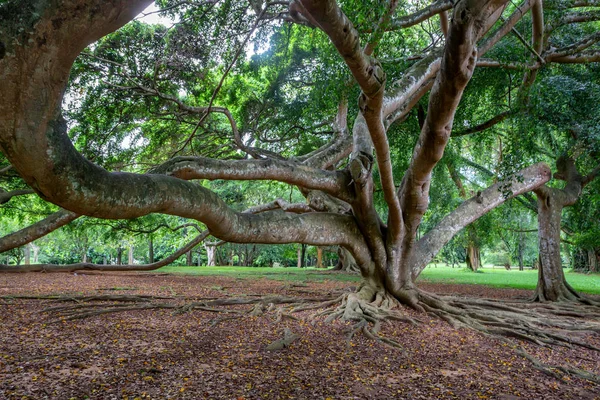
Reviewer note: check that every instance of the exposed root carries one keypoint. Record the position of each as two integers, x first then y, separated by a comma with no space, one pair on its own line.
553,370
541,326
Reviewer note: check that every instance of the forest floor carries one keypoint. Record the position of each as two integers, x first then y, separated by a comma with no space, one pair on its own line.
154,354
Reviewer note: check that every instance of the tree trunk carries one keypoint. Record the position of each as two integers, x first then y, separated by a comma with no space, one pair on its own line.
150,250
320,257
346,262
120,256
520,250
210,254
552,285
27,251
592,261
188,258
36,252
130,256
473,257
303,256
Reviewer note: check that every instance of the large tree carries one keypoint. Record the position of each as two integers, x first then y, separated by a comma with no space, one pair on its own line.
41,40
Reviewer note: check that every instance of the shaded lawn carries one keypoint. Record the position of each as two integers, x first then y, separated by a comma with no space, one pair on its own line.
501,278
498,277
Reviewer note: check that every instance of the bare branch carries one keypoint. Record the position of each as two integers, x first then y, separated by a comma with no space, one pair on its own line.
383,22
424,14
486,125
7,196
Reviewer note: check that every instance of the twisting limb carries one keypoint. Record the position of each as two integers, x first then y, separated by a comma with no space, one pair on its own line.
333,182
506,27
470,20
101,267
469,211
37,230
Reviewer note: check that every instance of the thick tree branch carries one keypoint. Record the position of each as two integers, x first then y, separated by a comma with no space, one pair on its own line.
470,210
101,267
37,230
469,21
336,183
506,27
38,75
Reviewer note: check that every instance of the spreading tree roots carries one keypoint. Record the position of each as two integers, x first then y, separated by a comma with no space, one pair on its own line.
543,324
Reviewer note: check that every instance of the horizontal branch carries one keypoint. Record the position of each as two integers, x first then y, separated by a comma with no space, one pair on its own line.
486,125
7,196
101,267
424,14
37,230
472,209
336,183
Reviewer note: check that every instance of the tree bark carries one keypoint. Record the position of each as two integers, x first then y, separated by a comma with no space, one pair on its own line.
150,250
346,262
319,258
552,285
119,255
473,257
37,230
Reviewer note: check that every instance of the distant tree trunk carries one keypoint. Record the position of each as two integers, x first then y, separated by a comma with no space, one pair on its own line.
210,254
320,257
120,256
520,250
346,262
84,257
592,261
299,264
130,255
36,252
27,251
188,258
150,250
199,259
473,253
303,256
473,257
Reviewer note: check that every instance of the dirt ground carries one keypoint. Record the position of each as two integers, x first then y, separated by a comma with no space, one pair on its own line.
153,354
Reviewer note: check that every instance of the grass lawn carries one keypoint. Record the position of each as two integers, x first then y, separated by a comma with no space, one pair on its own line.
279,273
498,277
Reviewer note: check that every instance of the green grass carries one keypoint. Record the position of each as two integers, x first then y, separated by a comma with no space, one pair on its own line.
498,277
279,274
